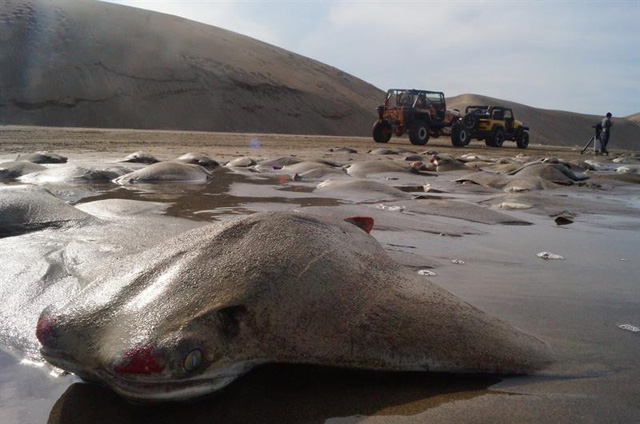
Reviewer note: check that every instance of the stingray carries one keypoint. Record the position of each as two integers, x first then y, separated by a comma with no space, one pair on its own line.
304,167
360,190
280,162
189,317
141,157
24,209
383,152
323,172
363,169
445,163
343,150
198,159
19,168
75,175
243,162
459,210
550,204
42,157
554,172
166,172
509,183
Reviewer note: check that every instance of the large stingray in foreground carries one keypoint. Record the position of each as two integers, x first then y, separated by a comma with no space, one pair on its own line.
189,317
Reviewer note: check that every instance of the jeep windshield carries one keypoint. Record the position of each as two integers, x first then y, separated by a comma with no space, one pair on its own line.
399,98
478,110
412,98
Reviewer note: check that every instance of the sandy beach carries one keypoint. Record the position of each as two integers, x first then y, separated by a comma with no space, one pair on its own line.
479,230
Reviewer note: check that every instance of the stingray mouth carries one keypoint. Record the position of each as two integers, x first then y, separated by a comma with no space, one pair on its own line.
67,363
147,389
160,390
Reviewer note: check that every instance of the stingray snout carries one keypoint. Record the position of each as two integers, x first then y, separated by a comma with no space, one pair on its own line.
47,328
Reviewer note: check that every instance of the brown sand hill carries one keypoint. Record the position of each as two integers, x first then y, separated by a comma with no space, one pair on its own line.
635,118
93,64
557,127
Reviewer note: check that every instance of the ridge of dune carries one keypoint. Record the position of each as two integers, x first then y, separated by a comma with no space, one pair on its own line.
634,118
94,64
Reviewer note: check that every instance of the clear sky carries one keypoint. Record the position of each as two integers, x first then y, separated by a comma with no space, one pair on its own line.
582,56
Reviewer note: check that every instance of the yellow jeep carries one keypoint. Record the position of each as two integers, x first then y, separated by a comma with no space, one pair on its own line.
493,124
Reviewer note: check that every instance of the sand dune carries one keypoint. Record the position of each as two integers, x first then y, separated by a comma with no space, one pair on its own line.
560,128
634,118
93,64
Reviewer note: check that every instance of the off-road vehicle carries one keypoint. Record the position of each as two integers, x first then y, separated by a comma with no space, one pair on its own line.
420,113
493,124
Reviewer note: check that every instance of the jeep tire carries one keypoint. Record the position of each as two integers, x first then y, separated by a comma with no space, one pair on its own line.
381,132
460,135
496,138
419,133
523,140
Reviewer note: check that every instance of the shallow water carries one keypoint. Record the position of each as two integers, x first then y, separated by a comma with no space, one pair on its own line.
575,304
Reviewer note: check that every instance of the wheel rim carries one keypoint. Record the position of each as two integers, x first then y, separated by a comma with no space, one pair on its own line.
463,136
422,133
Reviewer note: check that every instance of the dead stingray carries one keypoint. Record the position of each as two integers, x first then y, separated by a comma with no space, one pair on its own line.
19,168
42,157
198,159
360,190
508,183
24,209
363,169
243,162
189,317
166,172
141,157
554,172
459,210
75,175
304,167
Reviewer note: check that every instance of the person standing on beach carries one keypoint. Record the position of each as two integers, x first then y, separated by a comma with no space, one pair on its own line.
606,133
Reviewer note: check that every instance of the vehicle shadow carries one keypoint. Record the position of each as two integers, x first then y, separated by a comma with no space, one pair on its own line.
280,393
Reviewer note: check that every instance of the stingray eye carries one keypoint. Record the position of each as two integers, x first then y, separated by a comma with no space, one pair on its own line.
193,360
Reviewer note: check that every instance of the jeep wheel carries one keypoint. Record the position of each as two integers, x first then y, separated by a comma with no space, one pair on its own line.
381,132
460,135
496,139
523,140
419,133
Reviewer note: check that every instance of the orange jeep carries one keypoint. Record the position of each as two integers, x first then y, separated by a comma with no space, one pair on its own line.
421,113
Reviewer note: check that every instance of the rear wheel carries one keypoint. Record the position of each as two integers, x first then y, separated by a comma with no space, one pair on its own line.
460,135
419,133
381,132
523,140
496,139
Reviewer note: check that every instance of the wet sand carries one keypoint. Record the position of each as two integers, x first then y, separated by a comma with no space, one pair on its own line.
575,304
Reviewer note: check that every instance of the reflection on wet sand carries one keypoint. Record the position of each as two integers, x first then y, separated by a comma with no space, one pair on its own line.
295,394
207,201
